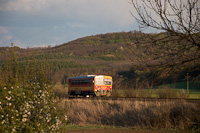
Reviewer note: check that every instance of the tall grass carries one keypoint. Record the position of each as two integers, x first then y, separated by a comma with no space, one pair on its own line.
135,114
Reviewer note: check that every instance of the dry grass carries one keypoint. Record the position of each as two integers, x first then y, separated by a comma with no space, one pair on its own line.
135,114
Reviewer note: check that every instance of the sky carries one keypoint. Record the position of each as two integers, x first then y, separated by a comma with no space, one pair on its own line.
39,23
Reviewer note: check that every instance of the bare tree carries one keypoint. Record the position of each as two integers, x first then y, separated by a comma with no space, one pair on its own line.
179,20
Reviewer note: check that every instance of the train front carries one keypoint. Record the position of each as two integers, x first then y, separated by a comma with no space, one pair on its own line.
103,85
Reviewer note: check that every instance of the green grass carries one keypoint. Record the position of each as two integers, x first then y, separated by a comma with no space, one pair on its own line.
177,90
99,127
87,128
94,127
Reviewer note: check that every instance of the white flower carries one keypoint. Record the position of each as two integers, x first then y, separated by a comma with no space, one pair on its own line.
40,91
5,88
25,115
13,130
0,103
65,118
24,119
10,104
42,95
3,122
11,87
9,92
8,98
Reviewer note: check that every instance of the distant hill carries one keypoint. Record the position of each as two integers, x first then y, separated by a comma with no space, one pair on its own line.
116,54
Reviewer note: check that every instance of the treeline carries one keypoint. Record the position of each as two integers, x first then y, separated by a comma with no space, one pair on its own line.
128,57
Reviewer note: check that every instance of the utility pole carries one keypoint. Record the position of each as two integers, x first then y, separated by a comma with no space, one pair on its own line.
187,84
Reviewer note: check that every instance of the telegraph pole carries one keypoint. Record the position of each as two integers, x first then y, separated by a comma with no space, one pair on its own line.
187,84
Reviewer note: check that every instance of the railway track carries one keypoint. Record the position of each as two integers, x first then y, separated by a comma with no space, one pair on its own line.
137,99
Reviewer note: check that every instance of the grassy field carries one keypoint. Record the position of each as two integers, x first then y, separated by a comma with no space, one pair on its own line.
134,115
178,90
157,93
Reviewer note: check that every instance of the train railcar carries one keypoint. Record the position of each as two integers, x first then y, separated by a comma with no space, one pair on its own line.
95,85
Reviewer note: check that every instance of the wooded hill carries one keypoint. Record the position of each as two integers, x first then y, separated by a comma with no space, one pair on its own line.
123,55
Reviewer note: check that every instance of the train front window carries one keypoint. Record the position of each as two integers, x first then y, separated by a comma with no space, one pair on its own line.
99,81
107,82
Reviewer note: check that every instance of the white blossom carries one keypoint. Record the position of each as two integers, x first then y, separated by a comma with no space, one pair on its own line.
24,119
8,98
13,130
3,122
25,115
65,117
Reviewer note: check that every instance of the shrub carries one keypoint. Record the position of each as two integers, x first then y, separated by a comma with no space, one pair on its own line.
129,93
115,93
167,92
27,103
60,90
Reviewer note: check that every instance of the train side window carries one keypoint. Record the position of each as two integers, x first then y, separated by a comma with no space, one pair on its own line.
88,81
72,82
85,82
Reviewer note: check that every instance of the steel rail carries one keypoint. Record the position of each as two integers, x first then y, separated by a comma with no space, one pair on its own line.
136,99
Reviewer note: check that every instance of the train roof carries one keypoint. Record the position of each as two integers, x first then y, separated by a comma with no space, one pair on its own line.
86,76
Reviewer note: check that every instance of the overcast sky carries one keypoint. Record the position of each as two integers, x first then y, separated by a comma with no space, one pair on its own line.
34,23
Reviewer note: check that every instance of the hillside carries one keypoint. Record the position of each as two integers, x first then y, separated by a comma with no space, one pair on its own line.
120,55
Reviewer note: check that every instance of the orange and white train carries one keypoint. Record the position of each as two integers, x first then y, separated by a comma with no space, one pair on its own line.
95,85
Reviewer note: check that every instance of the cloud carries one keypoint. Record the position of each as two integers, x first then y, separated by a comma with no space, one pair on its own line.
3,30
41,22
22,5
115,11
75,25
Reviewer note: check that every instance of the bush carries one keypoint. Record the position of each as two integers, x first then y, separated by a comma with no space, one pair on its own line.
167,92
60,90
115,93
27,103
